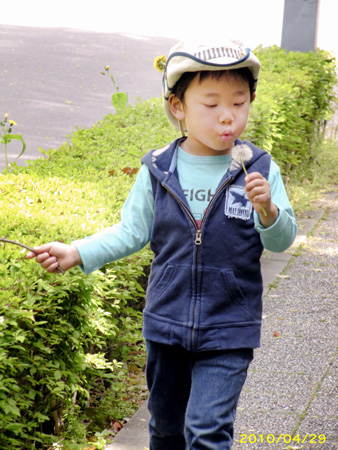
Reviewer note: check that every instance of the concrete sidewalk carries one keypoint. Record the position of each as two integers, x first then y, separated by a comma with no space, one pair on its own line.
290,399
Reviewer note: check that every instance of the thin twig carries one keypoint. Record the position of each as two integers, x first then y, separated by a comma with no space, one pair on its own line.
27,248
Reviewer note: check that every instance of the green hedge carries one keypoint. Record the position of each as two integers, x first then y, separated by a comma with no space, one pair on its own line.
66,340
295,98
56,330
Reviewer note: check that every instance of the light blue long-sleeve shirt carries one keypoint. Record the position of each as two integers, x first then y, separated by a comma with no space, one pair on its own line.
199,177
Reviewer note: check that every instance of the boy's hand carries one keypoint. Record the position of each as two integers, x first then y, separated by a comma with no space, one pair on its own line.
258,191
53,255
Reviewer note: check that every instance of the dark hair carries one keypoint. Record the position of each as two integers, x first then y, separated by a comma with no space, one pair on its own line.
183,83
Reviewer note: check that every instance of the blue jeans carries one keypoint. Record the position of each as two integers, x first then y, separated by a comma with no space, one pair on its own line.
194,396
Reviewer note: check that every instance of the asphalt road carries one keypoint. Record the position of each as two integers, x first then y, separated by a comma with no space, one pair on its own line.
51,82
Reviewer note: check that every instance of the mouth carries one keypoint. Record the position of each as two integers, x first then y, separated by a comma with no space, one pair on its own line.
226,136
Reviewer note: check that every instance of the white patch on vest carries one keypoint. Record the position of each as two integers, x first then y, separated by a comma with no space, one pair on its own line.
160,150
157,153
237,204
234,165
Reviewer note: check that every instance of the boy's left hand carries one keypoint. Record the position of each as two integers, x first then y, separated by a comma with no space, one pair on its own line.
259,193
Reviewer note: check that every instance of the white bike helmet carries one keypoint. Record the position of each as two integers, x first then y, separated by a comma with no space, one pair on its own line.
188,57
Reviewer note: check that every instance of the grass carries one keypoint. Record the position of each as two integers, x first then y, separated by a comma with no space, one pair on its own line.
307,185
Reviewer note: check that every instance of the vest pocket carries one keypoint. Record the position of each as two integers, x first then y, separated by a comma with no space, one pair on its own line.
222,300
164,280
168,296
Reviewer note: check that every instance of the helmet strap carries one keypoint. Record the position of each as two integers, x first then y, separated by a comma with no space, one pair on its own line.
182,128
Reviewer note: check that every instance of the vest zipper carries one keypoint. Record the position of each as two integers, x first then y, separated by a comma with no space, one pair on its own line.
198,237
213,199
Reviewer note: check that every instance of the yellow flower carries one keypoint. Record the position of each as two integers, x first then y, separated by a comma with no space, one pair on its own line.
107,68
160,62
12,122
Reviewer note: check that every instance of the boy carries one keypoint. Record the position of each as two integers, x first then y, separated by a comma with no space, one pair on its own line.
207,223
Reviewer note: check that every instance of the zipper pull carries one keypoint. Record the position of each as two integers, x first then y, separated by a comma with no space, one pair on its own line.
198,240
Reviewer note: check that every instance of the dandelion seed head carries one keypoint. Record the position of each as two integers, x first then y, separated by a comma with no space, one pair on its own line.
241,153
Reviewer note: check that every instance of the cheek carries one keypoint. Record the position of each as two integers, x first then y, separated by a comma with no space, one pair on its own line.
243,117
199,120
208,125
208,120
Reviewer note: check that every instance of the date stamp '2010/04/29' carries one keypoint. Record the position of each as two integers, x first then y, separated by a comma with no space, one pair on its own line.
282,438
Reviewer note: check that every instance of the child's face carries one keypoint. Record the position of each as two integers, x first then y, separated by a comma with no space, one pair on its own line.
215,112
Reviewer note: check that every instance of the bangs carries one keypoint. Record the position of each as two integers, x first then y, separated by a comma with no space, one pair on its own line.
242,74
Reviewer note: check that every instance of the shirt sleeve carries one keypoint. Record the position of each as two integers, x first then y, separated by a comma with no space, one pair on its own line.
128,236
282,233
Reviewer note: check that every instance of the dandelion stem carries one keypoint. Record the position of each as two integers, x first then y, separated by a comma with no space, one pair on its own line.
6,156
246,174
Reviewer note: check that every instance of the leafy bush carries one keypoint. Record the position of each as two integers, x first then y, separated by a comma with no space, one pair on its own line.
67,341
55,330
295,98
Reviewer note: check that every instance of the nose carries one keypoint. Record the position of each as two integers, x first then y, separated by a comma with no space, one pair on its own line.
226,116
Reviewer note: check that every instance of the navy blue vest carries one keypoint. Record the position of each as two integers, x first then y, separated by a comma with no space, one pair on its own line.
205,286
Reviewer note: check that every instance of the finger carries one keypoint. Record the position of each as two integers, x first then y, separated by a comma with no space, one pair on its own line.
43,248
255,195
51,261
256,184
254,176
42,257
259,196
52,267
30,255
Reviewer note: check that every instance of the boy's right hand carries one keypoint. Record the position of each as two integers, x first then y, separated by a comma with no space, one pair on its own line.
55,254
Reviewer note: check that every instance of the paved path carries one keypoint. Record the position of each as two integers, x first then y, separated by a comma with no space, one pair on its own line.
50,80
291,394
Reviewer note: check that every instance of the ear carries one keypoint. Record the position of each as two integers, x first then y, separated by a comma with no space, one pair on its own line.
253,96
176,107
